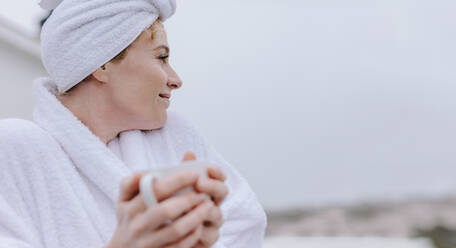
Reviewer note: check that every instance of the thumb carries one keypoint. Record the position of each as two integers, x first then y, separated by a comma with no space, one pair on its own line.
129,187
189,156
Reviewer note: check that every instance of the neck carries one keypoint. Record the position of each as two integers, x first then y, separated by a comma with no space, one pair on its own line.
91,109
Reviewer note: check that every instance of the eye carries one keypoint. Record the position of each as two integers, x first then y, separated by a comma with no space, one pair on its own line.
163,58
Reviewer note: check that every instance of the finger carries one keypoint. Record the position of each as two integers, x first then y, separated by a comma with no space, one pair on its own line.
189,156
190,241
136,205
216,189
215,172
184,225
170,209
209,236
168,186
129,187
199,245
214,218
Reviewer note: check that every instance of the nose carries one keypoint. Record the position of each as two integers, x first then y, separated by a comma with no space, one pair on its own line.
174,82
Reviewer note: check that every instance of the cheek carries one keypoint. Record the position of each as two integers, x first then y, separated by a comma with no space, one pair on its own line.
156,75
149,81
149,73
139,86
152,82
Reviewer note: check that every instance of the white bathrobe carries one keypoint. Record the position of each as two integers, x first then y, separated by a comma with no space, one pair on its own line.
59,182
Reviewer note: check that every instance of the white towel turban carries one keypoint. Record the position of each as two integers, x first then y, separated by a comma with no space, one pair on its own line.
82,35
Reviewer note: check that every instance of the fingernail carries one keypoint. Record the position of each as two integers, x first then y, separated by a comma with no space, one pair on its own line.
134,176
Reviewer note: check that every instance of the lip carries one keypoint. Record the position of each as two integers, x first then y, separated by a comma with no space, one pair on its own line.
165,100
165,95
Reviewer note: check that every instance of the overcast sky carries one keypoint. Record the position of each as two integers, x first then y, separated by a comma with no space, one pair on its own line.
318,101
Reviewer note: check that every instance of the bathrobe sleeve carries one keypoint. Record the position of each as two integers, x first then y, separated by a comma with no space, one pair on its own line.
14,232
244,217
17,229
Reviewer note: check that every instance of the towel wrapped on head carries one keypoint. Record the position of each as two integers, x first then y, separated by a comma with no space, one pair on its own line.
82,35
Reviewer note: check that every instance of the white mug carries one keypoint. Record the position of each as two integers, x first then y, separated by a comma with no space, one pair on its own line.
146,183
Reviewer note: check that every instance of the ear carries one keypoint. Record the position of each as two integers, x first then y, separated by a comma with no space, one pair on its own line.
101,74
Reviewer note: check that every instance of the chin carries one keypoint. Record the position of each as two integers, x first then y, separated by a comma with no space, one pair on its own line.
157,121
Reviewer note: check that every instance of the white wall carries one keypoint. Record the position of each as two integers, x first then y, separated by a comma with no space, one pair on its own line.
17,70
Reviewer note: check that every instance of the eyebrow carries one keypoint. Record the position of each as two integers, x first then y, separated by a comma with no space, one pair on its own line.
164,47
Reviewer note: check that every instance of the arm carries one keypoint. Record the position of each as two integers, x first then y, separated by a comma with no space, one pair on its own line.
15,232
245,220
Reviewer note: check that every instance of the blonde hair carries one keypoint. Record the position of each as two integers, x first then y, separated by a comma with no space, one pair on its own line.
157,26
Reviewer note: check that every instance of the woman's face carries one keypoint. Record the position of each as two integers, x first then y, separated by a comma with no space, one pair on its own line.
140,85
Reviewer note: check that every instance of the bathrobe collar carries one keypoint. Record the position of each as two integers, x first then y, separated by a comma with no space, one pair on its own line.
88,153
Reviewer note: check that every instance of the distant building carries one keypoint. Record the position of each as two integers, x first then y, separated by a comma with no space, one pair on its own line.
20,63
345,242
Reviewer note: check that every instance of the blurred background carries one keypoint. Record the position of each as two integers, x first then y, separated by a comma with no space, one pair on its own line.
340,114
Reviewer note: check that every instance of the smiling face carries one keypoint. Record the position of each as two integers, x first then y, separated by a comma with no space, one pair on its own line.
140,84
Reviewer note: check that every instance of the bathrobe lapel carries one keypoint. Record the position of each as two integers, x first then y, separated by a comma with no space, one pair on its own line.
88,153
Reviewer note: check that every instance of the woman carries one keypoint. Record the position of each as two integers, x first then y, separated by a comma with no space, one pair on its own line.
70,178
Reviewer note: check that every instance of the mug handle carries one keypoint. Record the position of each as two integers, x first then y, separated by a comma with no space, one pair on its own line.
146,189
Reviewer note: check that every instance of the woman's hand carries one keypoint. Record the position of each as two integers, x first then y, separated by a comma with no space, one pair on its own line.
176,221
215,187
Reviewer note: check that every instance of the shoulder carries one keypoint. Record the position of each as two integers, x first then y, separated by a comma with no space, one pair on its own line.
11,124
15,128
18,133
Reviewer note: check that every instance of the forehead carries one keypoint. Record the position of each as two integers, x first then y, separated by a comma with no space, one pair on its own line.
153,37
